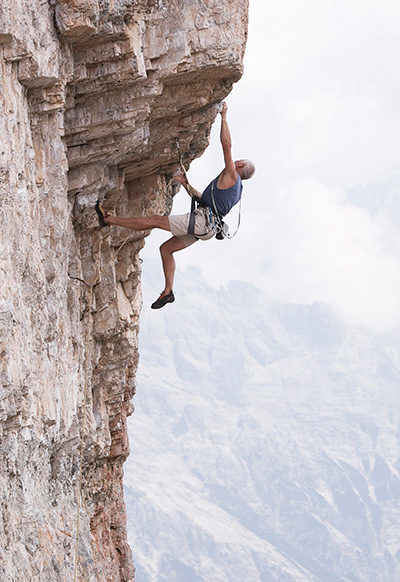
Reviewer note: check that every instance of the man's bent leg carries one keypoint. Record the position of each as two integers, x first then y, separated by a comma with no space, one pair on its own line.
167,250
139,222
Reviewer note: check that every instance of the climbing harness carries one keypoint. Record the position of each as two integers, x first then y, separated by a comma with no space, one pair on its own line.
192,216
222,227
209,215
215,218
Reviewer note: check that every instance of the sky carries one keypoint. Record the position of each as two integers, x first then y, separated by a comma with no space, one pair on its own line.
317,110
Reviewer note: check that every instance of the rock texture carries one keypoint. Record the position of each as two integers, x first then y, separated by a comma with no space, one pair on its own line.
93,96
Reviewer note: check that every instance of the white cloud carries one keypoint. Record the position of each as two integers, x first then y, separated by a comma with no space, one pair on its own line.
321,89
324,249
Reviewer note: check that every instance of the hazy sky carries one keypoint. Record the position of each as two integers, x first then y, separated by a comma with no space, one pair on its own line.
318,112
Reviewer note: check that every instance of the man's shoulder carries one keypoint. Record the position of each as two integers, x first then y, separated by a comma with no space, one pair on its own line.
227,178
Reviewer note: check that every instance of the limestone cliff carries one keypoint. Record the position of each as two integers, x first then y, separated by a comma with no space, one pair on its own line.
93,96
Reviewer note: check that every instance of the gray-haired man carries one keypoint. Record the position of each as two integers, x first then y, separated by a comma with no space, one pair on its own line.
219,196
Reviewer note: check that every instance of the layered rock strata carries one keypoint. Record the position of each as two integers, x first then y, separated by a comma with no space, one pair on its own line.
94,96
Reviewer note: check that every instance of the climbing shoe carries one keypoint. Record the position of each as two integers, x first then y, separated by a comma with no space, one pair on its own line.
163,300
101,214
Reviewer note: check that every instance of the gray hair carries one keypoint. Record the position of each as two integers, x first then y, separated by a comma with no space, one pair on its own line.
248,170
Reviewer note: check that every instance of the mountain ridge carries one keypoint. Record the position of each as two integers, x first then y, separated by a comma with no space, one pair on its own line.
282,417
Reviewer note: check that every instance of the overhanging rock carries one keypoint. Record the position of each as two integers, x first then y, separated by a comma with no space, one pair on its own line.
93,97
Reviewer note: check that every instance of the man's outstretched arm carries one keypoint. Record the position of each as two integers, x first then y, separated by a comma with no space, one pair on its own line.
229,175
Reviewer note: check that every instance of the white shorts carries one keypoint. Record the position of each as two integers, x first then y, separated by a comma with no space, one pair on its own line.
203,226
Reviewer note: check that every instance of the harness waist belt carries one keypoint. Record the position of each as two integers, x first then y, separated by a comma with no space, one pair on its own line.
202,204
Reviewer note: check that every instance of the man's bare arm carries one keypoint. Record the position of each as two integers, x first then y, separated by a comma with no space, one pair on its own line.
180,176
229,175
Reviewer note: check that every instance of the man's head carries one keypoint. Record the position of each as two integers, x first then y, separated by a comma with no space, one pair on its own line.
245,169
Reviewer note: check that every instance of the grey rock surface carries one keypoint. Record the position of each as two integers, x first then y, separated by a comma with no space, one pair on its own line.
93,97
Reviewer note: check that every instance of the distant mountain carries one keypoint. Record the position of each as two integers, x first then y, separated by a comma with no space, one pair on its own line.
379,199
264,442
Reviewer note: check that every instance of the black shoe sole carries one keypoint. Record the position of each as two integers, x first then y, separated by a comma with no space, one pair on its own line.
101,214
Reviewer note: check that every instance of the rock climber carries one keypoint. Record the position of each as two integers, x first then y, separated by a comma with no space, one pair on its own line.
218,198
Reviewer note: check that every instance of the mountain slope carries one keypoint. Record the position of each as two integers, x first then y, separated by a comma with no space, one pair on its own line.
264,444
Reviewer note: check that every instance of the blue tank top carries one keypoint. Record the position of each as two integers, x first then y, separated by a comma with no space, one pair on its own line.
224,199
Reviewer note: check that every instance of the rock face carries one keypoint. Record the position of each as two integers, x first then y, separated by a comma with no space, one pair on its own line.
94,96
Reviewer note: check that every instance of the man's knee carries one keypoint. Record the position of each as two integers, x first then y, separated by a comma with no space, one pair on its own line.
171,246
164,249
